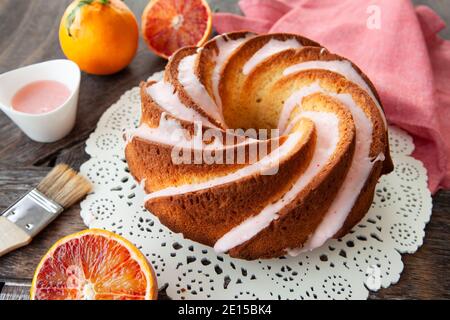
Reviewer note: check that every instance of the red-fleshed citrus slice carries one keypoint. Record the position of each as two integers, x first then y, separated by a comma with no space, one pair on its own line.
93,265
168,25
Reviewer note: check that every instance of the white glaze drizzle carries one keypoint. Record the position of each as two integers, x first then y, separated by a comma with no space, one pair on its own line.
356,177
273,158
226,47
169,132
142,184
342,67
327,130
380,157
295,100
163,93
272,47
196,90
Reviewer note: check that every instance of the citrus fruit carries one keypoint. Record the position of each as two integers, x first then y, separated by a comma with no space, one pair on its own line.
168,25
101,36
93,265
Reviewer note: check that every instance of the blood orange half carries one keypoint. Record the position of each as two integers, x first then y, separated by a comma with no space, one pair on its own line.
93,265
168,25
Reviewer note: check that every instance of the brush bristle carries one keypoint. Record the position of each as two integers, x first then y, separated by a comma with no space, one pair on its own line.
64,185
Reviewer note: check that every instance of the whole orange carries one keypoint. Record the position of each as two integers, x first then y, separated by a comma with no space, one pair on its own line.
101,36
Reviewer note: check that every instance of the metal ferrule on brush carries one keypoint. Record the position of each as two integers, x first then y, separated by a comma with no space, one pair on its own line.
33,212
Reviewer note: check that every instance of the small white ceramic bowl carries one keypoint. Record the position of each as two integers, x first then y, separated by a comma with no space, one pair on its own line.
50,126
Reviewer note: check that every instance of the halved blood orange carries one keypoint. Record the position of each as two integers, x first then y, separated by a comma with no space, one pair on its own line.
94,265
168,25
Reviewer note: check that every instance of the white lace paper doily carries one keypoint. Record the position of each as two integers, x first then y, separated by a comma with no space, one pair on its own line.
368,258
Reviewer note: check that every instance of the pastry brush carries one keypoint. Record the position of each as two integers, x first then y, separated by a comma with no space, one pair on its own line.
60,189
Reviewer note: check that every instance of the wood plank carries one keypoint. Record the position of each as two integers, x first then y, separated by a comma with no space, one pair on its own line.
20,290
15,290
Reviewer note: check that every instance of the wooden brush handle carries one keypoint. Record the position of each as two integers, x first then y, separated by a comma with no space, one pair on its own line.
11,236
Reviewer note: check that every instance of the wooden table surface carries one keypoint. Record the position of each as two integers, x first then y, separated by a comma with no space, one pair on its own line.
29,34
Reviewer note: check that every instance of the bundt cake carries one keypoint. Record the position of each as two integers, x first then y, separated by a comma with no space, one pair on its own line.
259,145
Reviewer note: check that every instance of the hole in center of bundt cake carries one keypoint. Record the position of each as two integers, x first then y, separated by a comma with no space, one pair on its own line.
260,128
258,113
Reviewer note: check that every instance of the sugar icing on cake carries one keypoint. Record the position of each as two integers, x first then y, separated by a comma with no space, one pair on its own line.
318,176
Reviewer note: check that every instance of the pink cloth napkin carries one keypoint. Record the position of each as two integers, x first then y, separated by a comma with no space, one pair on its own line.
403,55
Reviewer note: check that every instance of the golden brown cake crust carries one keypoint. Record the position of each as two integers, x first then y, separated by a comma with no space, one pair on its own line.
206,215
171,76
255,100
